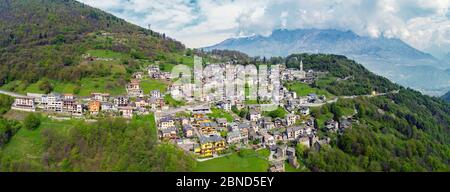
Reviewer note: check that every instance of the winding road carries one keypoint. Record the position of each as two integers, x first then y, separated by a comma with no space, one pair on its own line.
348,97
12,94
334,100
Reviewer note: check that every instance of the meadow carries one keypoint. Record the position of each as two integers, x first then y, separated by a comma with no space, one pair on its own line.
303,89
247,161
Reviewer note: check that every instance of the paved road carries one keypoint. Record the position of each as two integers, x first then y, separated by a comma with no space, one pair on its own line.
12,94
348,97
214,157
334,100
172,111
319,104
370,95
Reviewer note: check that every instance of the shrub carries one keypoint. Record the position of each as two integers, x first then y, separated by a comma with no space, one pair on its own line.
32,121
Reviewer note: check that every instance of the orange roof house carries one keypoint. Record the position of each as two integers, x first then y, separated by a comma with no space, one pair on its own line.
94,107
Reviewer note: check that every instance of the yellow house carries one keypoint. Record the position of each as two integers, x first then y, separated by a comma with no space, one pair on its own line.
202,120
199,121
166,122
198,115
208,128
210,145
94,107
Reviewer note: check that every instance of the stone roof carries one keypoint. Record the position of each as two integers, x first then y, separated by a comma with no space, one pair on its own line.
243,125
221,120
212,138
208,124
234,134
169,130
292,129
187,127
166,119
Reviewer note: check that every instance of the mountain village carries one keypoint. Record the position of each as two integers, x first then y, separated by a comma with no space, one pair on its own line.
193,128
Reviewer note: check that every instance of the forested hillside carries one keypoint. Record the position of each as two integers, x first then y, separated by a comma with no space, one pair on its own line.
107,145
398,132
345,76
47,38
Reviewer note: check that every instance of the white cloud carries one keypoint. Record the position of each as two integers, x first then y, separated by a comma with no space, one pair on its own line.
422,23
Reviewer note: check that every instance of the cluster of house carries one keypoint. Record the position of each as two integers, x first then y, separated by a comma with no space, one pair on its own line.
291,102
97,103
281,154
124,106
198,132
134,89
207,136
217,82
300,74
52,102
155,73
135,102
339,127
215,85
198,127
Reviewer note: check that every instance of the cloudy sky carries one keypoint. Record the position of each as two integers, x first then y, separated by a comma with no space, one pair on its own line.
424,24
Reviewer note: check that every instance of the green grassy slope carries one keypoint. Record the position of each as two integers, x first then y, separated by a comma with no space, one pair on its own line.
251,161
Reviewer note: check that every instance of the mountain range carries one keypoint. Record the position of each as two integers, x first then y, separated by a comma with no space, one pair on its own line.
389,57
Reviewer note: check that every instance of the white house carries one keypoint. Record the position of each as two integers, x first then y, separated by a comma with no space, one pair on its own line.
269,140
304,111
24,104
254,115
166,122
126,112
234,137
291,119
155,94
